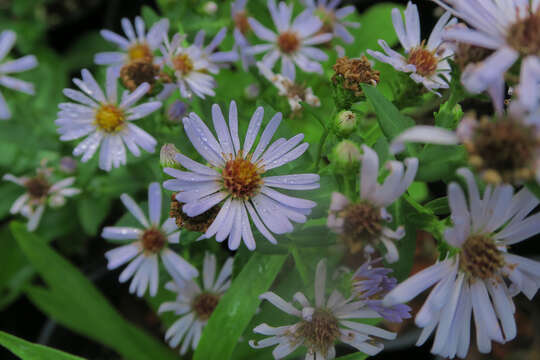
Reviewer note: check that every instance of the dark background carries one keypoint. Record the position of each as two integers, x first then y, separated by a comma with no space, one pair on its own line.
71,19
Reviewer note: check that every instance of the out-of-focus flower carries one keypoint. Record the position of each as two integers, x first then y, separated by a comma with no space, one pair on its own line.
106,120
40,192
333,18
427,63
234,178
362,224
295,93
146,246
321,325
7,40
216,59
195,305
241,28
210,8
293,42
176,111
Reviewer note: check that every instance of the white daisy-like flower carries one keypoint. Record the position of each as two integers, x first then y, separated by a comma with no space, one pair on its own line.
147,246
321,324
7,40
482,277
234,178
190,66
216,59
139,44
40,192
293,42
509,28
106,120
241,28
427,63
295,93
362,223
195,305
333,18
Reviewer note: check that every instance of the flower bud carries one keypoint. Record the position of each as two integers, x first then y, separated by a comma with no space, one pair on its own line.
346,157
176,111
345,123
167,156
68,164
251,92
210,8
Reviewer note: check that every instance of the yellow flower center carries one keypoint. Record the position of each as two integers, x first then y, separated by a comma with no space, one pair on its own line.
110,118
425,61
288,42
242,178
183,63
140,52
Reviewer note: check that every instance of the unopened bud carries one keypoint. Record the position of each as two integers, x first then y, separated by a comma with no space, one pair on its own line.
346,157
68,164
167,156
251,92
345,123
210,8
176,111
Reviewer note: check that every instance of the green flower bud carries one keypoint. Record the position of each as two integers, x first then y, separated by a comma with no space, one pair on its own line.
345,123
346,157
167,156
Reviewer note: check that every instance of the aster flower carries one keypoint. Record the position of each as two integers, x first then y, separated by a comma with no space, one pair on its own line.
216,59
371,283
362,223
481,278
295,93
40,193
191,66
510,30
427,63
7,40
147,246
241,28
107,121
293,41
195,305
234,178
138,46
333,18
321,324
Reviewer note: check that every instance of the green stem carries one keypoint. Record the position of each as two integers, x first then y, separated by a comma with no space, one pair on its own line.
320,149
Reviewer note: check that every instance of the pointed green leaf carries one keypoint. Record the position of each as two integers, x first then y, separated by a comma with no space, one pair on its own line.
30,351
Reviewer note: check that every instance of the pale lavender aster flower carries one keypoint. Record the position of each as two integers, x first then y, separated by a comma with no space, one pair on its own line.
506,27
293,42
233,178
333,18
362,223
137,45
482,277
146,246
427,63
107,120
40,192
216,59
371,283
191,67
195,305
241,27
7,40
336,317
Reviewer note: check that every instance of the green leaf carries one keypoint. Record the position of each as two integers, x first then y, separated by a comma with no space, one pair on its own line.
237,307
30,351
392,122
74,301
355,356
534,188
92,211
